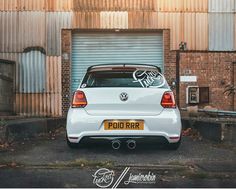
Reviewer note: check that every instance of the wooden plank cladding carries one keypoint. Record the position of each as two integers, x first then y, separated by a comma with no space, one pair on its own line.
113,5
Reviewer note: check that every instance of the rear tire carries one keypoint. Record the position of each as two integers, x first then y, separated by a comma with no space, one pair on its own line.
174,146
70,144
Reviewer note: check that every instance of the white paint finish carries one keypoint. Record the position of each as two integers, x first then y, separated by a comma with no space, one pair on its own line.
188,78
167,124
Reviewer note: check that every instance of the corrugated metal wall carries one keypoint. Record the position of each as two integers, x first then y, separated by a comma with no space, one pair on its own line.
203,24
31,30
223,39
222,6
56,21
222,25
47,78
9,31
235,30
117,20
46,18
32,72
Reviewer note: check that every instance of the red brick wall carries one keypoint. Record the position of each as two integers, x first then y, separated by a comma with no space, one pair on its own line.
169,58
66,68
213,70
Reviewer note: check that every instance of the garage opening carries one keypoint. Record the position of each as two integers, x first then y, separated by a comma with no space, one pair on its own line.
111,48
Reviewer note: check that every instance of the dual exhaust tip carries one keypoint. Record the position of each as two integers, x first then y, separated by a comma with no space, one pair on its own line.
116,144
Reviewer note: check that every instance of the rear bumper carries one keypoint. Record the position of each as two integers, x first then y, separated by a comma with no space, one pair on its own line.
166,125
123,139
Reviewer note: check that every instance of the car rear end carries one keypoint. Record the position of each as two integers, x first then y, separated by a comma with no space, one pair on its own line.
124,102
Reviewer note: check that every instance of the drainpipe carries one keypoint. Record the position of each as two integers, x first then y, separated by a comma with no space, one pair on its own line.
177,76
234,84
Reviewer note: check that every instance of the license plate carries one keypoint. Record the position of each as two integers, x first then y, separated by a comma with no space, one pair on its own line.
124,125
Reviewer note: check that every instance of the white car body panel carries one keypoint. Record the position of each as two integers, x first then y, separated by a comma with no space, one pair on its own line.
166,124
106,101
105,104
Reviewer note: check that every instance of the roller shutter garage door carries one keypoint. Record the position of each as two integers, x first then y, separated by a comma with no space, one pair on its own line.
112,48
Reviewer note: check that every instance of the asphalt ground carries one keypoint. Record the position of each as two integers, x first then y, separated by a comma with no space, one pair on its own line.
46,161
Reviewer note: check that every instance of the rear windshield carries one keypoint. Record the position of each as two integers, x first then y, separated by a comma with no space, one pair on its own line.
136,78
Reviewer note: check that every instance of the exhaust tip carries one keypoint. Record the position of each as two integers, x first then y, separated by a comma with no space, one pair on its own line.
131,144
116,144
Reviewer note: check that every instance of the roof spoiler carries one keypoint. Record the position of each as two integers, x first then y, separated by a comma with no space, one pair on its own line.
124,65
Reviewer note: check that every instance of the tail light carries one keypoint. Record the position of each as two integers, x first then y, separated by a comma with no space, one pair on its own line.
168,100
79,100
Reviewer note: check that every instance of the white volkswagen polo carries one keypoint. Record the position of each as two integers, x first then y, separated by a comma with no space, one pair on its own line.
124,104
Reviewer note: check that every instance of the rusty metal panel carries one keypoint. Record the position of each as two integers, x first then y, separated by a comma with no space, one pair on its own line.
201,31
110,20
56,21
143,20
8,31
190,30
168,5
181,5
46,103
195,6
221,31
59,5
226,6
86,20
31,5
8,5
31,104
174,22
113,5
32,30
53,85
9,56
196,31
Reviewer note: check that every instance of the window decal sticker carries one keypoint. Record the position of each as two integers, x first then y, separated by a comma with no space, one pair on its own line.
84,85
148,78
